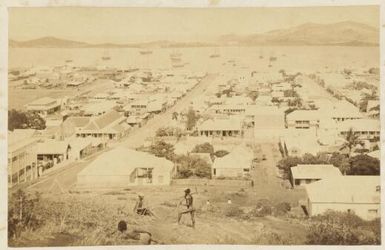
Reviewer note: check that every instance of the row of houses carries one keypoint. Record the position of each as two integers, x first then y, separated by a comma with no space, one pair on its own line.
30,153
328,189
79,126
136,168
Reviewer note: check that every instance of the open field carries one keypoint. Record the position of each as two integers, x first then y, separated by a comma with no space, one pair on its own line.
104,208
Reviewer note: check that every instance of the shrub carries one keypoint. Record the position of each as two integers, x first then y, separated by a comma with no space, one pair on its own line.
330,234
262,208
234,211
21,213
342,228
184,172
282,208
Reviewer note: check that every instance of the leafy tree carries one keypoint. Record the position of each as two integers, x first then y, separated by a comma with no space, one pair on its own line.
192,166
375,108
183,166
202,169
296,102
162,149
351,141
24,120
290,93
221,153
275,100
340,161
161,132
311,159
169,131
374,71
364,165
253,95
203,148
286,163
192,119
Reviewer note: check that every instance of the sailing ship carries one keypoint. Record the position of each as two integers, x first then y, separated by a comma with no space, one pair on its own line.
145,52
215,54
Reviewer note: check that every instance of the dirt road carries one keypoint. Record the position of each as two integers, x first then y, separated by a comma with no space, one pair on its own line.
267,184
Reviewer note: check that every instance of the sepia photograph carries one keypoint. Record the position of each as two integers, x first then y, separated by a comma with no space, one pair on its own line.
212,125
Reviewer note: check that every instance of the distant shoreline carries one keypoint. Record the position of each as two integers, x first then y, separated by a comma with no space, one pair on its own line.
206,46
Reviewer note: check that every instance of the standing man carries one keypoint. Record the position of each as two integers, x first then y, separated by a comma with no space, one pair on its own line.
189,207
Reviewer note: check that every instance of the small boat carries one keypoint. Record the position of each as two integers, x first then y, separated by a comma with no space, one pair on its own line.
260,54
179,65
105,56
68,60
215,54
175,55
273,58
176,59
145,52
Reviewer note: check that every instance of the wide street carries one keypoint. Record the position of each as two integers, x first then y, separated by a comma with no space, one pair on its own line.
136,138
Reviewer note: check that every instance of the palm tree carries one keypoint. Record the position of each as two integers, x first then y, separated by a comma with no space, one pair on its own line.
351,140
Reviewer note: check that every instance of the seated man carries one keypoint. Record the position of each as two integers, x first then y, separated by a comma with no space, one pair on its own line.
140,207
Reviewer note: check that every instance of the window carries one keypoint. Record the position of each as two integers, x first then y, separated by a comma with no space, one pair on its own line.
215,171
372,211
378,188
245,170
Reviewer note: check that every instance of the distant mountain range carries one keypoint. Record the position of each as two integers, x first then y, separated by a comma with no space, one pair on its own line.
53,42
342,33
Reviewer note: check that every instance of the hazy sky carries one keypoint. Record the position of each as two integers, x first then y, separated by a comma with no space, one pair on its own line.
122,25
